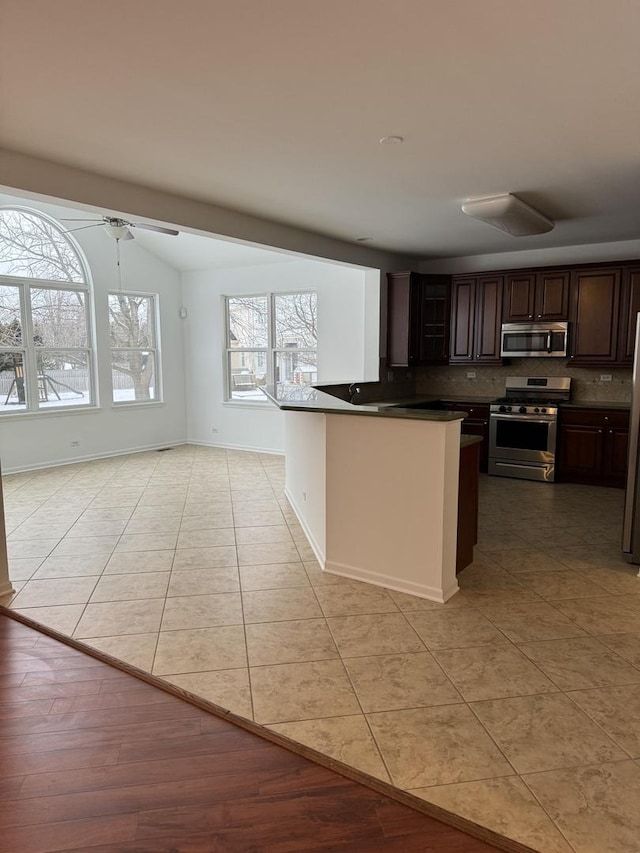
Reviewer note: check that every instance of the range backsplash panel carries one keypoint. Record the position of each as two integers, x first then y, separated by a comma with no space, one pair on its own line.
489,380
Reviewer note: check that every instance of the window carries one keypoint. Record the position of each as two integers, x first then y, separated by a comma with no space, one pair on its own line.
272,339
46,361
134,350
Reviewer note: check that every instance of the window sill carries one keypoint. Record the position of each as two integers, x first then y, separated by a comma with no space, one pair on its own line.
150,404
46,413
254,404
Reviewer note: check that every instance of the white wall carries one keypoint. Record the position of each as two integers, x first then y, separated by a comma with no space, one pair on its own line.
348,334
32,441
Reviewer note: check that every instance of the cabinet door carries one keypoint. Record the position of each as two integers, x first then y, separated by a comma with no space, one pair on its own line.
519,298
433,336
581,453
488,318
463,298
481,428
595,301
552,295
628,314
615,458
401,309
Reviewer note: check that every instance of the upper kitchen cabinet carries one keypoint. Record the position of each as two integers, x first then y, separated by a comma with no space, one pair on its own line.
476,318
594,304
418,314
629,308
532,297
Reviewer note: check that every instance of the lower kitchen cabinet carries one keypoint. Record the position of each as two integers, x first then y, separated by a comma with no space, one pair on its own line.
477,423
468,488
592,446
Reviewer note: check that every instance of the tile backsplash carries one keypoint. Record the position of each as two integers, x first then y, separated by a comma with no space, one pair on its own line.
489,381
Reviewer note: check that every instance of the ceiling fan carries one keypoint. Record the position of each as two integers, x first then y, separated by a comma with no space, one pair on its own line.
119,228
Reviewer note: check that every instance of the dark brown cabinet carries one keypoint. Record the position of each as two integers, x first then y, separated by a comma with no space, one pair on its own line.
418,319
476,318
532,297
595,297
476,423
629,308
592,446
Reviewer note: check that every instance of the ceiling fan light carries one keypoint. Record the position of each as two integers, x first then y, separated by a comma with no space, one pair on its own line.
509,214
118,232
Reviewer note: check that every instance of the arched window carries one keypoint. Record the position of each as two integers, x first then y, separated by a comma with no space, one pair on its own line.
45,330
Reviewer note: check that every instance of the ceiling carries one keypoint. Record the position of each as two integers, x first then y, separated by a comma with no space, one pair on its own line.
275,109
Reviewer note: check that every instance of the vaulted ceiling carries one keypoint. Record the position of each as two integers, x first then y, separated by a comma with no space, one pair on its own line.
276,108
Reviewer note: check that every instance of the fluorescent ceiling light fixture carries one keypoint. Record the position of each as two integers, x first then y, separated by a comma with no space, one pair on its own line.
509,214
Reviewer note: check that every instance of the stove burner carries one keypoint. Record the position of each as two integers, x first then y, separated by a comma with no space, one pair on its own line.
531,400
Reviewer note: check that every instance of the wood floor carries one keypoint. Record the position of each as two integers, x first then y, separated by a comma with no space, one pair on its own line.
94,759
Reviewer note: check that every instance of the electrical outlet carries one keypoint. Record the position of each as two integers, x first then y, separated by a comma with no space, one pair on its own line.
605,377
304,496
214,429
471,374
75,444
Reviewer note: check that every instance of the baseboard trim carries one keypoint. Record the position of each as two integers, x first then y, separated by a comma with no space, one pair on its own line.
6,589
315,546
245,447
90,457
389,582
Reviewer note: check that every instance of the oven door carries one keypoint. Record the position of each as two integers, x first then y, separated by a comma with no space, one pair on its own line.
522,438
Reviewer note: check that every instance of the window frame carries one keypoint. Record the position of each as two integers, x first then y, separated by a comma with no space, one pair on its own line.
29,349
155,349
271,351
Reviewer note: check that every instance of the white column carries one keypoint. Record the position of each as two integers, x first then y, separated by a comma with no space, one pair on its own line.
5,584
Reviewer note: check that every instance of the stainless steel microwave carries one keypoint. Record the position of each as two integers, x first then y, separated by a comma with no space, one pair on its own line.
521,340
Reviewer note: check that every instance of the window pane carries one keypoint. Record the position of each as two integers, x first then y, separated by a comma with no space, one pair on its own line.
12,387
296,368
33,247
10,318
63,379
134,376
59,318
248,321
131,320
247,374
296,320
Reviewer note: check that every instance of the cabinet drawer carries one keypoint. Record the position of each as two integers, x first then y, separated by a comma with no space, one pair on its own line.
476,411
596,417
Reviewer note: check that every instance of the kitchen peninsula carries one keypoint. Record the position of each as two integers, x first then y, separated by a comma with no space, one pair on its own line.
375,488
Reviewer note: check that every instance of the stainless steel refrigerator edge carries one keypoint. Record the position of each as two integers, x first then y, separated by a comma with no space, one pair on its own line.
631,521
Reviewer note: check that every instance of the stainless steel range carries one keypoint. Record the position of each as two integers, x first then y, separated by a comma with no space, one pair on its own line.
522,427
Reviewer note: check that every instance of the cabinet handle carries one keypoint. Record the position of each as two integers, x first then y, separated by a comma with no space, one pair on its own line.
599,430
531,316
606,417
539,316
470,356
610,432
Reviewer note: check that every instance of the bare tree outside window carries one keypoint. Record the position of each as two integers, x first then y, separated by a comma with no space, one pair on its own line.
271,339
44,330
132,327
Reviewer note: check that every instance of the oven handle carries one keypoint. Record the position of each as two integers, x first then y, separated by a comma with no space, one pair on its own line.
542,419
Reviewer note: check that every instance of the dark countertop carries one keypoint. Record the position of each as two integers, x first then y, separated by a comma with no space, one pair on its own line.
600,404
305,399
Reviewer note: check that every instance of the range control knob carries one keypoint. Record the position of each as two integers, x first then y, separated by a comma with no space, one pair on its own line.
523,410
544,411
536,410
502,409
508,408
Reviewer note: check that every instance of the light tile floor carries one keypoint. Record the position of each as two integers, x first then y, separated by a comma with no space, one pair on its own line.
517,704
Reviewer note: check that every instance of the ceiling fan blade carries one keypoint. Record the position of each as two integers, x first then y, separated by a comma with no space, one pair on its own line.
157,228
82,227
82,220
